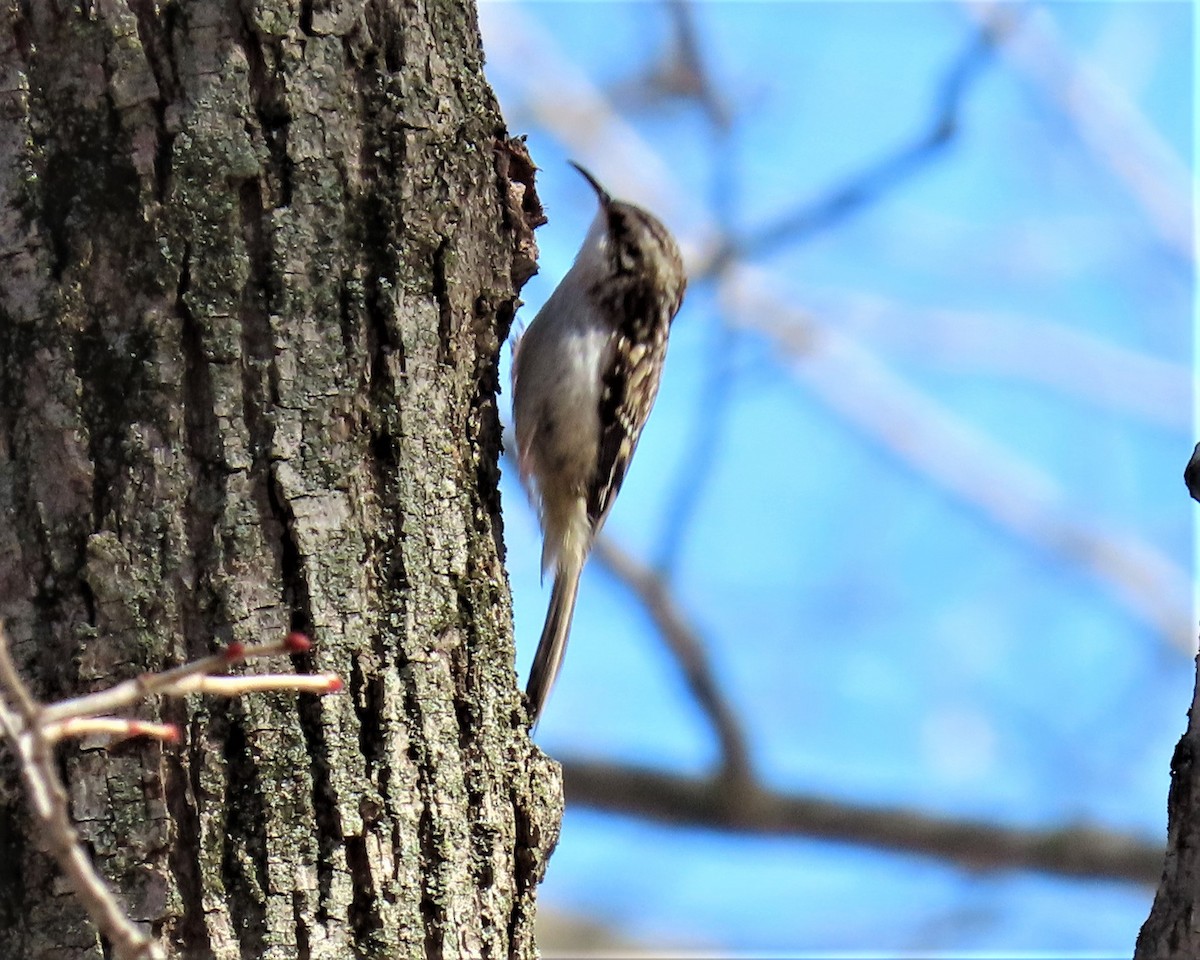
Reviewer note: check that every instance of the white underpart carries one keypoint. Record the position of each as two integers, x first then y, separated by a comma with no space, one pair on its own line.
556,398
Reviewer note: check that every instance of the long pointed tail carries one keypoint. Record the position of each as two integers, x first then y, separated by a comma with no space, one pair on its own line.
551,647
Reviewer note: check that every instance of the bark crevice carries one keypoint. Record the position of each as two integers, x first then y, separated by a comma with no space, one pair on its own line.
184,854
244,862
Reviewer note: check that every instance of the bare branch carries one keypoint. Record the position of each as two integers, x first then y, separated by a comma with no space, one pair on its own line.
747,808
1107,121
684,642
171,682
262,683
710,420
873,183
561,97
110,728
958,458
48,800
1077,363
32,728
736,800
680,72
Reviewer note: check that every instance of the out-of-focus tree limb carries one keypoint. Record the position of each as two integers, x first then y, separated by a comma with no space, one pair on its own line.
1105,120
951,453
1077,364
747,808
734,799
688,650
681,72
688,58
561,97
876,181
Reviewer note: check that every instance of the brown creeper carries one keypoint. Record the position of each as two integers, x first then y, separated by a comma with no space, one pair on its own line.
585,375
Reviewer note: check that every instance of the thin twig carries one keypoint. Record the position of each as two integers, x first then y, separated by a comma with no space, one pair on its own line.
1081,365
32,728
48,800
133,691
685,70
710,419
114,728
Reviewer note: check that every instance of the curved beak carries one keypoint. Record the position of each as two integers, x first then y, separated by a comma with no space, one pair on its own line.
605,199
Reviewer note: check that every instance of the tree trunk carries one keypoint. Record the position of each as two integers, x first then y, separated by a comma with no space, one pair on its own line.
258,260
1172,931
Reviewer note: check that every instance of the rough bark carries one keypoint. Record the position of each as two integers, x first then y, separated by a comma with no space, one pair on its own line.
257,261
1172,931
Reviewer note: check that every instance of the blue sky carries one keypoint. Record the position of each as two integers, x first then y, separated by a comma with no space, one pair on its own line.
1021,305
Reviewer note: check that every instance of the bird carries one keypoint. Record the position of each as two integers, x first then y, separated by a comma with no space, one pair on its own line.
585,375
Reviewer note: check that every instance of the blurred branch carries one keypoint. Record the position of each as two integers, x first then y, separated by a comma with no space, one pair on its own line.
683,640
734,799
746,808
1077,364
681,72
1105,120
951,453
871,185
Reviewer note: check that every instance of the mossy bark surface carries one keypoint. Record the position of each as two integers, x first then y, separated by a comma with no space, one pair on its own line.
256,262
